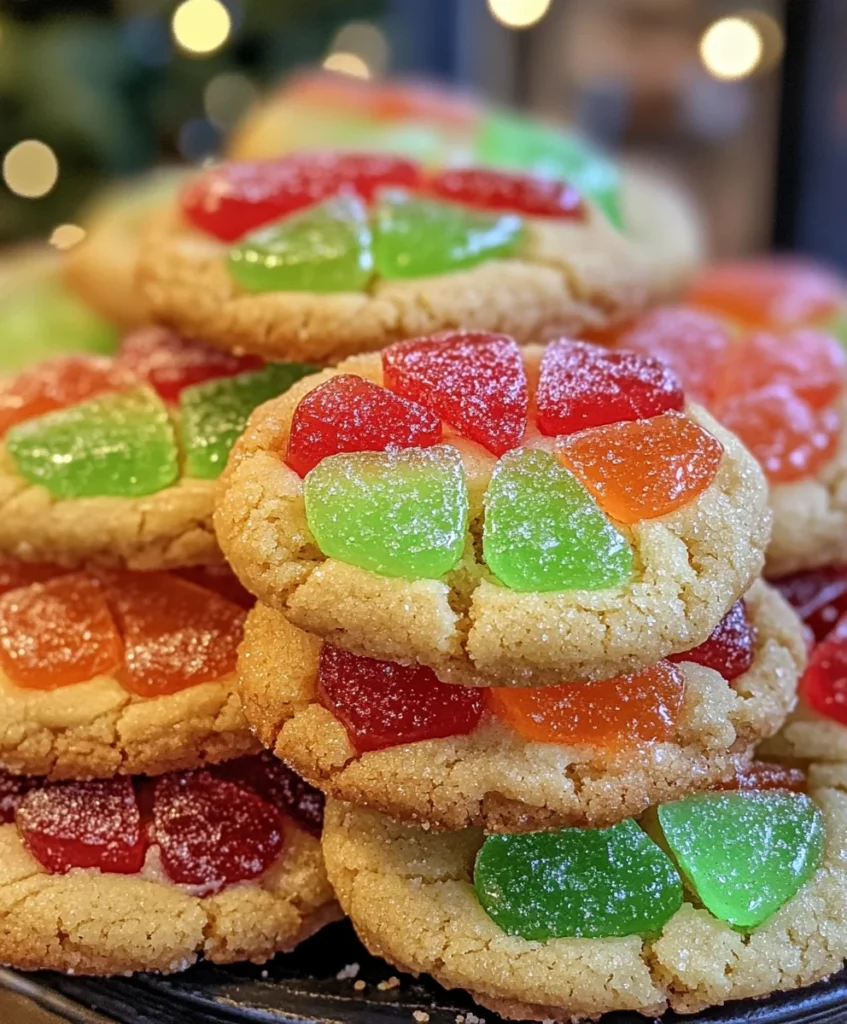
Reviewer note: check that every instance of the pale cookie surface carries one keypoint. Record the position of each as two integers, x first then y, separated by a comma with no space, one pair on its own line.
493,777
91,923
691,566
569,276
410,896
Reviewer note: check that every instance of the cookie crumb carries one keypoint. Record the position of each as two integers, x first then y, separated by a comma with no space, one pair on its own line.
265,975
389,983
471,1018
359,986
421,1016
460,1018
348,973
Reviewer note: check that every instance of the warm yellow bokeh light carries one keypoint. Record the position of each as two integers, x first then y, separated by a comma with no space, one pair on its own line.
518,13
201,26
30,169
347,64
731,48
66,236
365,40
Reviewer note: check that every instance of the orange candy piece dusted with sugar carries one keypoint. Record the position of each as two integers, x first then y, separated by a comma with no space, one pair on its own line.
643,469
615,713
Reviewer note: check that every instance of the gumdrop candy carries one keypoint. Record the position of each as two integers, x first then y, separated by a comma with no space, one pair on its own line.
175,633
643,469
473,380
326,248
583,386
93,824
577,883
170,363
419,237
824,683
744,854
819,596
382,704
220,579
278,785
529,194
58,633
399,513
213,415
229,201
693,344
544,532
767,775
212,833
789,438
348,414
21,574
730,648
57,384
117,445
613,714
13,788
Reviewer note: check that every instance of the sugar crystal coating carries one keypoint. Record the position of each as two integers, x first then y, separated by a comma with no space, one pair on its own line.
730,648
278,785
577,883
824,683
765,775
819,596
529,194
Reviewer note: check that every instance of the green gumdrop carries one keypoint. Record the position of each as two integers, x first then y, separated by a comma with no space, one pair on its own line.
744,854
325,248
512,142
577,883
116,445
402,513
213,415
416,237
544,532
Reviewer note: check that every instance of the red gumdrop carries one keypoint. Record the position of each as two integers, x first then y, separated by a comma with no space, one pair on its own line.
694,344
819,596
585,386
787,436
231,200
382,704
729,650
212,833
13,788
767,775
473,380
348,414
58,633
56,384
21,574
824,683
93,824
175,633
222,580
170,363
279,786
503,190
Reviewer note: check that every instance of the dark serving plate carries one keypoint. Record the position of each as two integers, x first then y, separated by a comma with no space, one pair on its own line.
303,986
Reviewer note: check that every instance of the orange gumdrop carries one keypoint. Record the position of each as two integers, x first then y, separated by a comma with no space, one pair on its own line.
57,633
643,469
14,575
176,634
767,775
614,714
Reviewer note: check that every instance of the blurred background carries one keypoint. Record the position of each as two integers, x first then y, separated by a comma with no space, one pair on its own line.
747,101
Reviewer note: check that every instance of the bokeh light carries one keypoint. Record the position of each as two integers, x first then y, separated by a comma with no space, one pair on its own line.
201,27
198,138
347,64
226,98
30,169
66,236
366,41
518,13
773,37
731,48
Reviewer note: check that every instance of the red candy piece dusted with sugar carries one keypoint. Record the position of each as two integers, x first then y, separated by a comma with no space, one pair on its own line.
57,633
212,833
222,580
643,469
584,386
729,650
502,190
612,714
473,380
170,363
768,775
276,783
176,633
233,199
824,684
383,704
13,788
84,825
57,384
819,596
789,438
349,414
692,343
21,574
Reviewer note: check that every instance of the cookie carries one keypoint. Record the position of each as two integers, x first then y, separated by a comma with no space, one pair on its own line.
411,897
412,571
68,908
114,462
124,674
450,763
294,266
